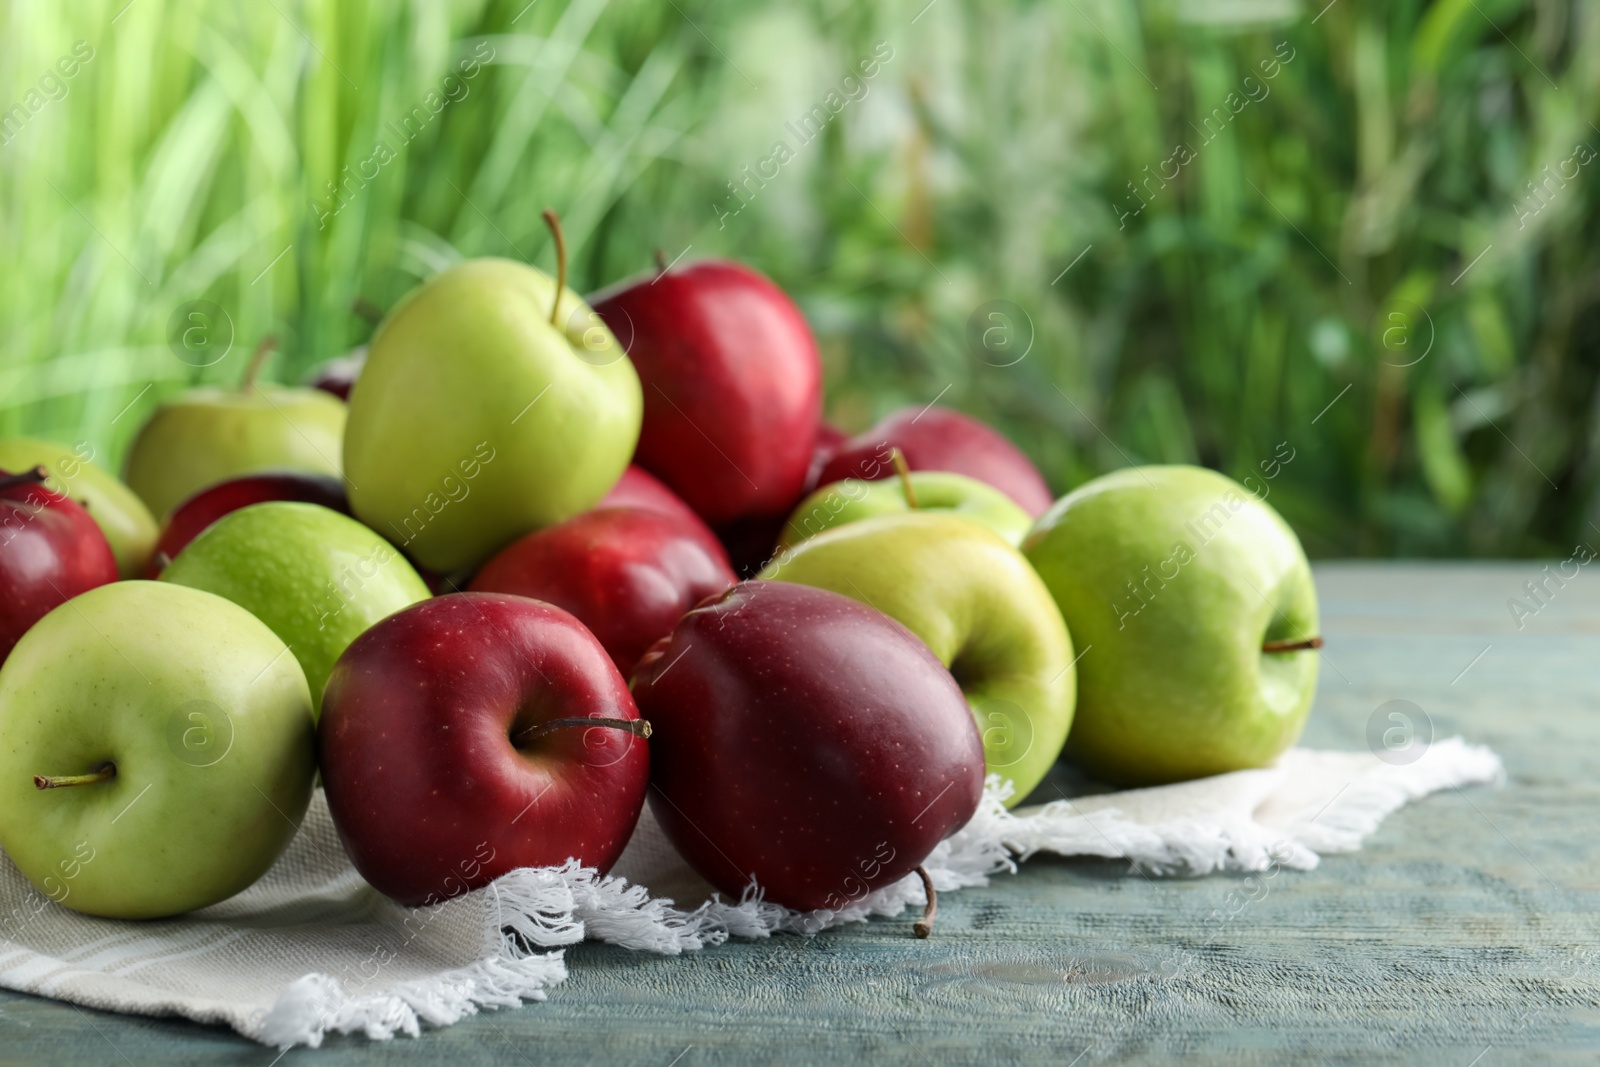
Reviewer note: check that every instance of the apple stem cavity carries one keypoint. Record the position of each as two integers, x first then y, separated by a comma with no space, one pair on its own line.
898,458
552,220
258,359
636,727
103,773
924,925
36,476
1292,646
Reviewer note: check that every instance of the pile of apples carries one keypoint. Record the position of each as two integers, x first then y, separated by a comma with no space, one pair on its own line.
494,597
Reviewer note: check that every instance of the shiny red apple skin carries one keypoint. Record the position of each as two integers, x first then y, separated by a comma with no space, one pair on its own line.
628,574
732,385
638,488
940,439
807,741
337,376
427,792
202,509
50,551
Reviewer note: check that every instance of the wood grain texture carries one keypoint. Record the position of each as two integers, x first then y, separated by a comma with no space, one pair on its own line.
1465,933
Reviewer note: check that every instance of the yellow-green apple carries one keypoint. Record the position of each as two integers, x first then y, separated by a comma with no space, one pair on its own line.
485,411
854,499
129,527
806,743
978,606
474,734
156,751
211,503
1197,614
211,434
316,577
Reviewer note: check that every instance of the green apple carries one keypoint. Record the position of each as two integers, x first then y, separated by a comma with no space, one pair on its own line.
476,420
319,579
1194,605
177,735
853,499
121,515
209,435
975,602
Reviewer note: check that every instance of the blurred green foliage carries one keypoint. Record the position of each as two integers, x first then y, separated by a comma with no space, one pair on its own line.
1363,235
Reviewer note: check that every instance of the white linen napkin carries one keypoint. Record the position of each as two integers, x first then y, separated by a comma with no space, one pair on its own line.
312,949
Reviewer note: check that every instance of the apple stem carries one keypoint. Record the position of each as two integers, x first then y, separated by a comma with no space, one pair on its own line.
554,222
367,310
898,458
1292,646
103,773
636,727
36,476
661,261
258,359
924,925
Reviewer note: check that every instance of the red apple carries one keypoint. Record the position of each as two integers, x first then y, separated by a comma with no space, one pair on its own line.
829,440
50,551
211,503
626,573
638,488
939,439
336,376
475,733
732,386
807,742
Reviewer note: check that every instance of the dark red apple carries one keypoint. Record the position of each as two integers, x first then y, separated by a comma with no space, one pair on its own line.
475,733
628,574
807,742
50,551
732,386
939,439
829,440
638,488
211,503
336,376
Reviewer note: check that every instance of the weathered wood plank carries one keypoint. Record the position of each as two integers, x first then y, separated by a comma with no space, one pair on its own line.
1464,933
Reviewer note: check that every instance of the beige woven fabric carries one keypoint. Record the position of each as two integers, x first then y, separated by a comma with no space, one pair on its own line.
311,949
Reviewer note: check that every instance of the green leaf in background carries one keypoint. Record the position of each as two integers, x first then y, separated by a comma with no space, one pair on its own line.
1203,215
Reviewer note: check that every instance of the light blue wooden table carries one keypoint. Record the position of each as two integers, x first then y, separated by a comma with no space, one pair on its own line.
1465,933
